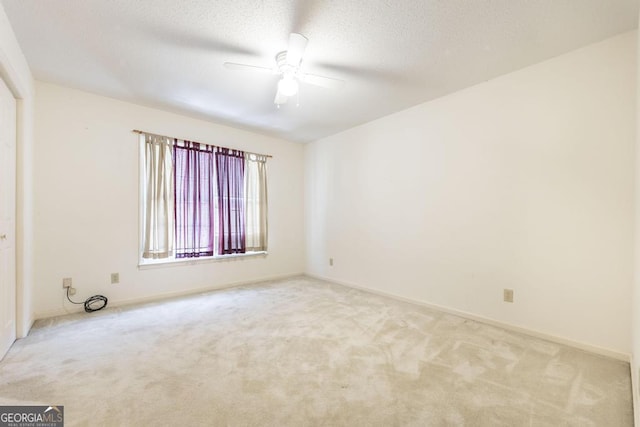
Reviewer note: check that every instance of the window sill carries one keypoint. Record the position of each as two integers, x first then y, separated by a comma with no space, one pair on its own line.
148,264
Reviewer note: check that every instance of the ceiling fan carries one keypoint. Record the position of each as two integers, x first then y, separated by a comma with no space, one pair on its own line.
287,65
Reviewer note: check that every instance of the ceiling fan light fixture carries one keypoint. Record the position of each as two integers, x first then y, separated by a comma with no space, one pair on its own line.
288,86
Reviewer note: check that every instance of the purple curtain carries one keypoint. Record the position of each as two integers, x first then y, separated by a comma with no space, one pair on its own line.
194,199
230,178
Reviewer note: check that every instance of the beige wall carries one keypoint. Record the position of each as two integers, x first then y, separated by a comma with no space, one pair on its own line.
87,201
523,182
14,70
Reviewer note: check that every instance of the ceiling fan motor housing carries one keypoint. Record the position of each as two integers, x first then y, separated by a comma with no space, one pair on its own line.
283,66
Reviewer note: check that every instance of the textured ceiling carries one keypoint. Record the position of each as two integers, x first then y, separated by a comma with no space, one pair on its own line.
392,53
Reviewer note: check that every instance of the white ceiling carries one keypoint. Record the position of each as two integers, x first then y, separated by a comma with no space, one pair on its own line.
392,53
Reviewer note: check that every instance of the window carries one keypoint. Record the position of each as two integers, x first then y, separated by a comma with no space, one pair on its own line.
198,200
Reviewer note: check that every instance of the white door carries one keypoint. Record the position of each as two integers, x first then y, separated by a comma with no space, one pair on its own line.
7,219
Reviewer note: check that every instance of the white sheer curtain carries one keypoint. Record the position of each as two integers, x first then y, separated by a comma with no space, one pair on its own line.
157,189
255,195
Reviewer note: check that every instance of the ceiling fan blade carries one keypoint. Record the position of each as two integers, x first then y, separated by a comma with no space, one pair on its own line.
245,67
297,45
280,98
326,82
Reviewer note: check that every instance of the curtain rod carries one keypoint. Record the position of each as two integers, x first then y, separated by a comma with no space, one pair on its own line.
165,136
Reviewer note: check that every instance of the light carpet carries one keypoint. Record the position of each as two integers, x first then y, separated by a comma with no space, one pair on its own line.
302,352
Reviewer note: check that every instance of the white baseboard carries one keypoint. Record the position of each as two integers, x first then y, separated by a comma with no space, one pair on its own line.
163,296
531,332
543,335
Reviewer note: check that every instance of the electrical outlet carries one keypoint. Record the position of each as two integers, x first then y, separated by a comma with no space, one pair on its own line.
508,295
331,262
72,291
115,278
66,282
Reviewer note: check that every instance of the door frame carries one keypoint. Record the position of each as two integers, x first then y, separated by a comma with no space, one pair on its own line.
8,160
21,86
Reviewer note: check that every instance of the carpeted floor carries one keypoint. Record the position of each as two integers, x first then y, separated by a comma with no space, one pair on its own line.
302,352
